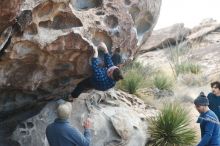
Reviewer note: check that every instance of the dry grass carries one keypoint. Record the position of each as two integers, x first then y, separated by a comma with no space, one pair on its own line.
190,79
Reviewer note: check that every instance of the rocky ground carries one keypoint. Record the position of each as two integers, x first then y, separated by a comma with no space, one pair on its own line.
118,119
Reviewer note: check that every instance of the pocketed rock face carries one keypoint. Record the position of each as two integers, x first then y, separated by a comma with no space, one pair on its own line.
45,47
8,12
119,119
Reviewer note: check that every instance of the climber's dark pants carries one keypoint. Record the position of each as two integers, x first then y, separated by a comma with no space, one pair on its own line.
82,86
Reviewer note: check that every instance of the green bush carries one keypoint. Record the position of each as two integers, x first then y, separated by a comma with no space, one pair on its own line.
162,82
187,67
135,75
132,81
171,127
143,70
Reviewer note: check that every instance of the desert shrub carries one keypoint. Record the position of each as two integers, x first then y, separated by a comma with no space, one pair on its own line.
171,127
132,81
187,67
162,81
135,77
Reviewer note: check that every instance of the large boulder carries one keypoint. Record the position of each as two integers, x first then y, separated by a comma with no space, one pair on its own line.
203,32
206,27
213,37
46,45
9,9
118,119
165,37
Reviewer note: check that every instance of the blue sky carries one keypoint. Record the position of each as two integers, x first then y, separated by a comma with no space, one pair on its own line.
189,12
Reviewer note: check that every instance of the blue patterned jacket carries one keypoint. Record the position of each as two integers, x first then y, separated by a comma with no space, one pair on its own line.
210,129
100,79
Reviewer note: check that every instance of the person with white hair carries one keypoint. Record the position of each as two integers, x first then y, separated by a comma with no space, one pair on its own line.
61,133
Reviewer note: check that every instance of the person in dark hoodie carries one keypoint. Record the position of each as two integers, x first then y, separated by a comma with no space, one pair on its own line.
102,78
61,133
214,98
209,123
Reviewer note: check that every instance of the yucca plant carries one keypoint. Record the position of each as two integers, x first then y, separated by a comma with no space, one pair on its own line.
162,81
171,127
132,81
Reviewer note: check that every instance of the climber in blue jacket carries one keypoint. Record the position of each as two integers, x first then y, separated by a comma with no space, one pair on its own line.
61,133
209,123
102,78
